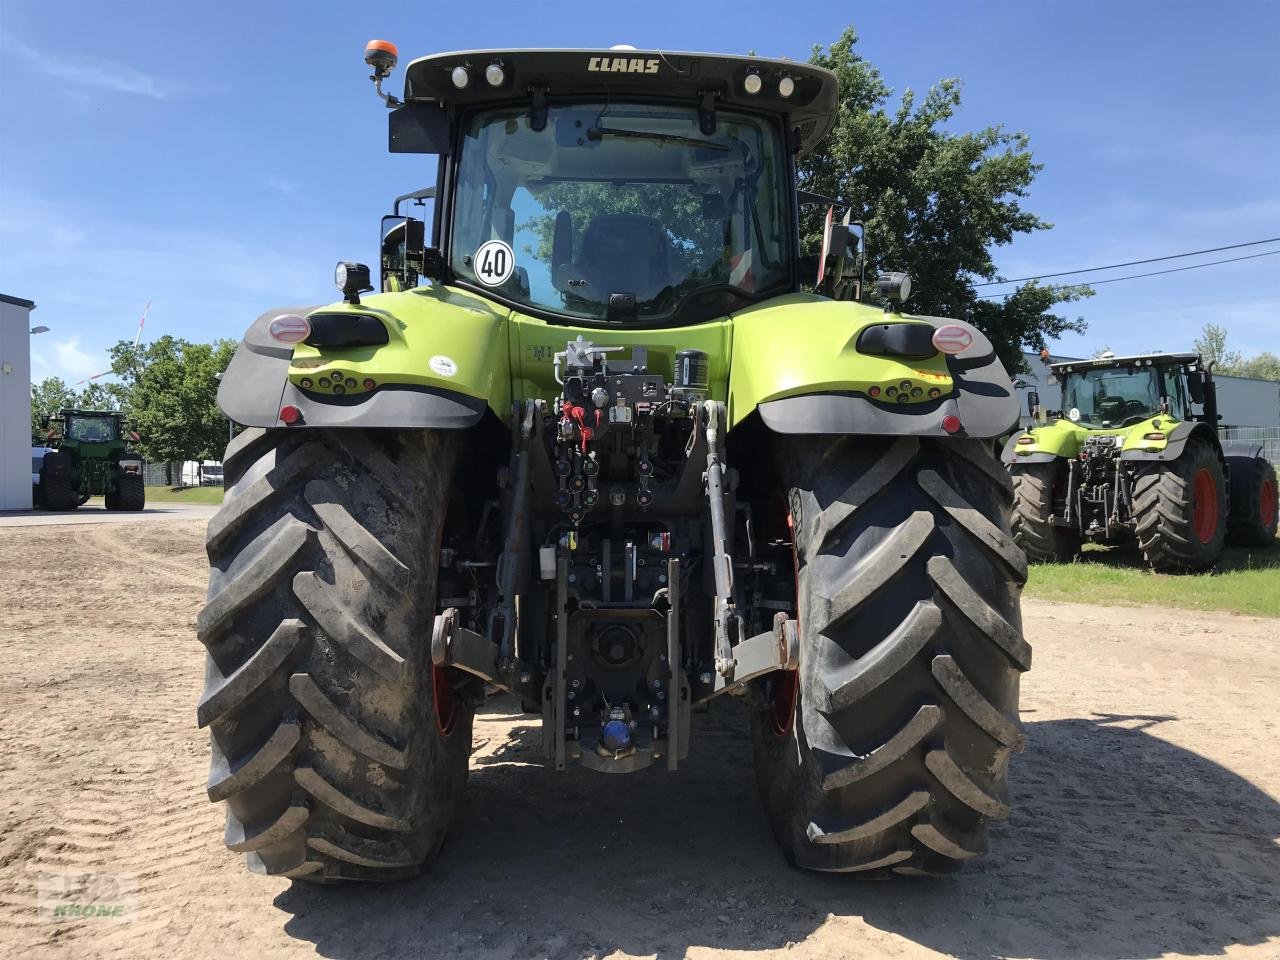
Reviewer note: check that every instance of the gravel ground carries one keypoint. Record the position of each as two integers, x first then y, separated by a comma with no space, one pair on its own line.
1145,817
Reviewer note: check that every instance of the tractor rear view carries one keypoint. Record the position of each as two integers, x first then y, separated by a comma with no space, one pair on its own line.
91,458
1129,458
612,460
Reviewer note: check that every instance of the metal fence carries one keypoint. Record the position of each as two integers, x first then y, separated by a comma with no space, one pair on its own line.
179,474
1269,437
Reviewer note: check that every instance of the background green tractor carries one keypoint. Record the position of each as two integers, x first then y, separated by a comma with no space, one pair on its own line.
1128,457
91,458
614,461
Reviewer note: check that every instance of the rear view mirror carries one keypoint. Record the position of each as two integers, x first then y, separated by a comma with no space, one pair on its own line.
403,252
1195,387
1033,402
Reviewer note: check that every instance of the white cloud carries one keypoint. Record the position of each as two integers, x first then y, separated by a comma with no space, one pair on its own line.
74,362
282,185
96,73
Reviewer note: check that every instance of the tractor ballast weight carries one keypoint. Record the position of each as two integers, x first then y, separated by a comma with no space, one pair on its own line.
1129,457
619,465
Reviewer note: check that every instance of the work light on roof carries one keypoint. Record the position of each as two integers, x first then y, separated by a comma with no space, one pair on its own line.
786,87
494,74
460,77
752,84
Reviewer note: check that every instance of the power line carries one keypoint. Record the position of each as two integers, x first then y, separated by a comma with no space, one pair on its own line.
1131,263
1156,273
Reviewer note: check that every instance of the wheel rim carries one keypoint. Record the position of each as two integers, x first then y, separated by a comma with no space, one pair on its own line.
1205,511
1268,508
782,705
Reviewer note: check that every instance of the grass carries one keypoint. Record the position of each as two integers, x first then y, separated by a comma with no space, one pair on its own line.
1245,580
184,495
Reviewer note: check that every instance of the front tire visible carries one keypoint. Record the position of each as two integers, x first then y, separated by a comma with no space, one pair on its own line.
339,751
1036,486
894,755
1180,507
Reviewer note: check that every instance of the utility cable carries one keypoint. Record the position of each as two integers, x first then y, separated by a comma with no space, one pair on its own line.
1131,263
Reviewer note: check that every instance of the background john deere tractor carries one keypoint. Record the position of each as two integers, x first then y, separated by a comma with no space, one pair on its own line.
1128,457
91,457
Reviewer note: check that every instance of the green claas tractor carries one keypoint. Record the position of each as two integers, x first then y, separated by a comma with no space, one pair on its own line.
592,445
91,459
1128,458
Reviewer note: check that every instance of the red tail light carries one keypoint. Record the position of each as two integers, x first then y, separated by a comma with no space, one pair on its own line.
952,338
951,423
289,414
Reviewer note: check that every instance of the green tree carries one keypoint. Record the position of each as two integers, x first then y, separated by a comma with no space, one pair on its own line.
1265,366
1212,347
48,397
934,202
171,388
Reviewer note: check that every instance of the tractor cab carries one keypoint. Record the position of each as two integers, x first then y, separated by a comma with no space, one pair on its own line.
630,188
1112,392
89,427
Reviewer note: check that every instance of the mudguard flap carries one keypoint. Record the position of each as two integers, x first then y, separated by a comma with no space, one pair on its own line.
256,385
984,401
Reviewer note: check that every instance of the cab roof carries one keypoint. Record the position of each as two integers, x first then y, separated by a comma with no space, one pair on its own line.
1145,360
622,74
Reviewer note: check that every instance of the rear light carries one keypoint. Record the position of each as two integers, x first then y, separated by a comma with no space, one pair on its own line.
133,435
951,423
1153,436
289,414
952,338
1026,440
290,328
873,392
368,383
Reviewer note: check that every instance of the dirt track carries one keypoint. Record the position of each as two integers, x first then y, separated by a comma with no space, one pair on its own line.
1145,815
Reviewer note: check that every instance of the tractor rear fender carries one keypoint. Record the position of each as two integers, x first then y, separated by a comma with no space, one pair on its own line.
805,364
1176,443
442,362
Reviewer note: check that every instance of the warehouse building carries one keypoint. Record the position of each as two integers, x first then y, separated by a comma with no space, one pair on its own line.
15,403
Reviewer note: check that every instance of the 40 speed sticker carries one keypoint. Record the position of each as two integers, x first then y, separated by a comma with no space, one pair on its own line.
494,262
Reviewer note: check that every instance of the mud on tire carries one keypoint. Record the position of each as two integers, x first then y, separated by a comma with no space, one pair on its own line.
1033,530
911,653
320,697
1181,509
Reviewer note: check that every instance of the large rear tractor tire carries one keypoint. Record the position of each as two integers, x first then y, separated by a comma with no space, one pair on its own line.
894,755
1258,528
130,493
338,749
1035,487
56,491
1181,510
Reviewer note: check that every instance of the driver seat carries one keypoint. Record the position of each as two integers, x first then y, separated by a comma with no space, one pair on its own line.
626,253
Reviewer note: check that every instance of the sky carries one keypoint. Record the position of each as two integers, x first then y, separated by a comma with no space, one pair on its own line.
218,159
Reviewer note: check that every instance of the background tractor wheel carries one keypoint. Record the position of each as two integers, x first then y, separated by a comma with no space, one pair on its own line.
1258,528
1181,510
1035,487
893,755
130,493
56,491
339,751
